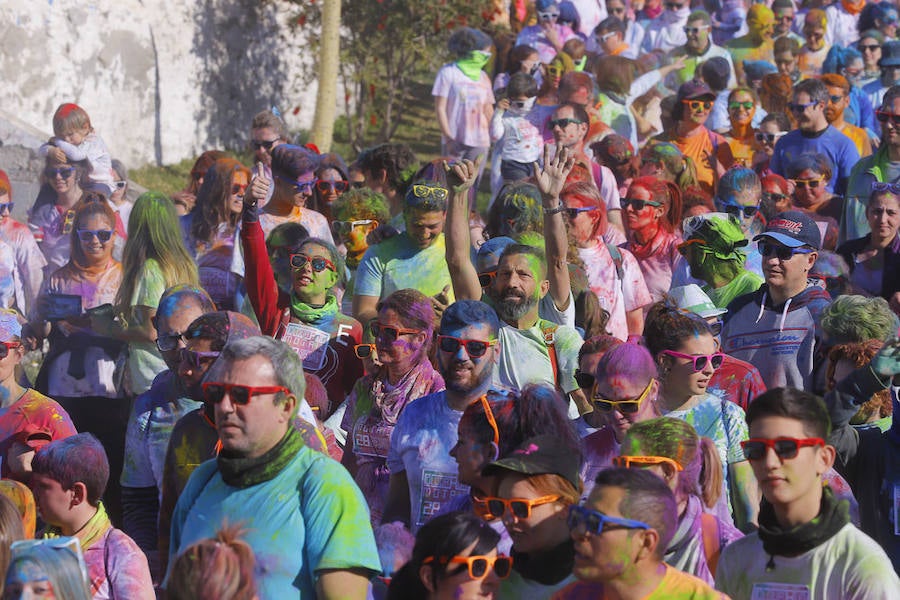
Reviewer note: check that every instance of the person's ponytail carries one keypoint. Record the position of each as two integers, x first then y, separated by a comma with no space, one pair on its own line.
710,473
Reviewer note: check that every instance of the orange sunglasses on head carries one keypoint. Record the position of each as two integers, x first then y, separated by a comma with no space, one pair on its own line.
628,462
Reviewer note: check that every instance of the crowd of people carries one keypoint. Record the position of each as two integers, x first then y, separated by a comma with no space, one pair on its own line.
660,361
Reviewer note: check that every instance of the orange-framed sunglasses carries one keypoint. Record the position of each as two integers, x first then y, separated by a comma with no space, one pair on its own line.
477,565
628,462
520,508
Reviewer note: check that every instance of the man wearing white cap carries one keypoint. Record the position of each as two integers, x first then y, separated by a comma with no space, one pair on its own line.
736,380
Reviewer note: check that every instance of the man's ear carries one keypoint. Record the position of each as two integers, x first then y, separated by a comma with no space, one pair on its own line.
426,573
545,287
827,456
289,407
649,539
79,494
811,260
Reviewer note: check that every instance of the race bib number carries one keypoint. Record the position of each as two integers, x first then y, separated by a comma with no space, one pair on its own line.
372,437
310,344
780,591
437,488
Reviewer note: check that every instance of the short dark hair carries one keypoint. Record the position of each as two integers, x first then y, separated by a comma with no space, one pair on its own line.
814,161
463,313
814,88
610,24
795,404
890,95
647,499
521,84
80,457
397,160
578,111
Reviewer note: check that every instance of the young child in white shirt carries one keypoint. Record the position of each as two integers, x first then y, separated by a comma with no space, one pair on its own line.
516,129
74,140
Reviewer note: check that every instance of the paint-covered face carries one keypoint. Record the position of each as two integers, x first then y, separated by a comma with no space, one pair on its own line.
606,556
172,323
5,207
424,228
457,584
787,481
310,285
239,181
838,101
406,350
890,133
516,289
568,130
355,240
647,216
738,111
94,249
815,37
697,33
252,429
805,195
784,18
778,199
619,387
8,370
682,379
333,183
191,374
461,371
471,455
262,141
52,501
883,215
25,579
544,529
584,226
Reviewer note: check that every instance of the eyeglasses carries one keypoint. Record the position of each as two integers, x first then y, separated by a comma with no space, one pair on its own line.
389,333
214,392
64,172
770,138
477,565
741,211
195,359
884,117
607,35
474,348
300,187
427,197
695,30
166,343
584,380
626,407
697,105
363,350
779,251
238,190
595,522
572,213
799,107
637,203
519,103
739,105
868,47
716,328
5,347
103,235
784,447
548,16
699,362
835,99
773,198
120,185
319,263
877,186
343,228
487,278
812,183
563,123
785,18
519,508
267,144
358,185
339,185
626,462
7,206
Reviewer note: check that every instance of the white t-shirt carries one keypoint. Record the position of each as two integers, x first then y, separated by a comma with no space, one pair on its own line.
524,357
616,297
465,105
849,566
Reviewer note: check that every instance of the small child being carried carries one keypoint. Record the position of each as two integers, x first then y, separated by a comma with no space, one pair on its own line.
74,140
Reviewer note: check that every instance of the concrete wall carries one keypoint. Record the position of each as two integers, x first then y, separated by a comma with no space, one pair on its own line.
162,80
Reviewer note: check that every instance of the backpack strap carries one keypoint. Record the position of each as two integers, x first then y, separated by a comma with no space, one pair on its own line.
709,527
616,255
549,331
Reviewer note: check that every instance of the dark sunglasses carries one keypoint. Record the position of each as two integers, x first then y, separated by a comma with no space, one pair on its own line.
64,172
637,204
811,183
324,186
86,235
120,185
474,348
5,347
884,116
835,99
584,380
363,350
319,264
784,447
737,105
773,198
699,362
267,144
214,392
300,187
572,213
781,252
868,47
478,566
487,278
196,359
741,211
595,522
563,123
389,333
7,206
357,185
166,343
798,107
672,6
238,189
698,104
771,138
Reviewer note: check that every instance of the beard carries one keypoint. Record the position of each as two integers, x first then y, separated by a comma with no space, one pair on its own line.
514,305
469,380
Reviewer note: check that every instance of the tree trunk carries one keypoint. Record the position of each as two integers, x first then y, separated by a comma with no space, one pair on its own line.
329,60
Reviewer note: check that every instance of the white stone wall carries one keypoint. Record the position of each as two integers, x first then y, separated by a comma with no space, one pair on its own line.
162,80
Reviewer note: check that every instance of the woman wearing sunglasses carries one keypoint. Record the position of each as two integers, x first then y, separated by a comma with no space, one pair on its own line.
50,218
742,104
651,210
186,199
691,467
686,354
210,230
455,557
403,330
331,181
23,255
810,173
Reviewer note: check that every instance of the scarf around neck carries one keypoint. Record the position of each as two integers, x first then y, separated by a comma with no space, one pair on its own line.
547,568
244,472
853,8
91,532
472,64
778,541
421,380
310,314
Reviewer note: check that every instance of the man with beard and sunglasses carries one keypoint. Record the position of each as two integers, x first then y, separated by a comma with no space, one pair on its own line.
306,520
423,473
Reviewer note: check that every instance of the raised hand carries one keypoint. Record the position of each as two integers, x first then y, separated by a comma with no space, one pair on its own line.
552,178
259,186
462,175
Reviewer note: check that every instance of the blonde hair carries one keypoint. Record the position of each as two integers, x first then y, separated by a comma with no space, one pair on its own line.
215,568
70,117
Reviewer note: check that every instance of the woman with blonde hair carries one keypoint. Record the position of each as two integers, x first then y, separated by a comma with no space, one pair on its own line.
220,568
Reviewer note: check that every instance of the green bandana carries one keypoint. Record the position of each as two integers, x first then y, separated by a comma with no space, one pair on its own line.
471,66
244,472
310,314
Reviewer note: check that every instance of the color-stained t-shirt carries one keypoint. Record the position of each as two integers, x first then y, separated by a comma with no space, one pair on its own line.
466,100
736,381
33,419
850,566
516,586
396,264
29,263
659,264
314,222
617,296
53,225
832,143
675,585
598,448
144,359
420,446
118,568
310,517
524,357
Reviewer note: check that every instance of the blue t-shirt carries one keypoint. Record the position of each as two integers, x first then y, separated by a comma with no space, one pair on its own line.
839,149
308,518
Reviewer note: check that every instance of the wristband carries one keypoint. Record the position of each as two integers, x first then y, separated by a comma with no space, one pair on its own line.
555,211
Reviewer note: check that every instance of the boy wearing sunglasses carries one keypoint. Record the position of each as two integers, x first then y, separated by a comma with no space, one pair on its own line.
621,534
776,327
806,546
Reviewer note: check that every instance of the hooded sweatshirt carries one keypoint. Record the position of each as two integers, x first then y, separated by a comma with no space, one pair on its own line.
780,340
667,31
